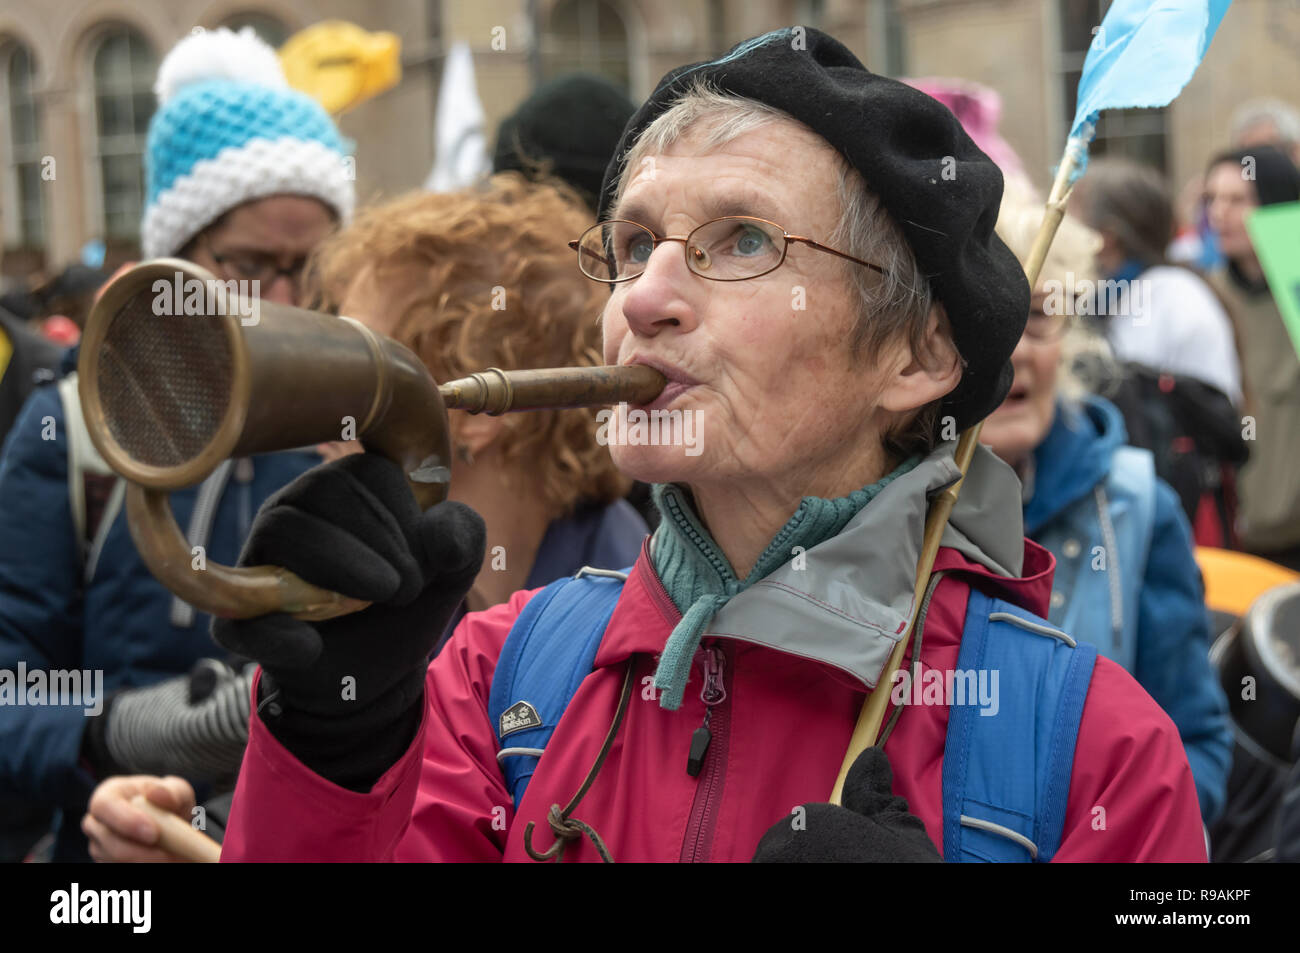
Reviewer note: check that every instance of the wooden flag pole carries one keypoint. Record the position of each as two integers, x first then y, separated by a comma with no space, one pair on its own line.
867,729
177,837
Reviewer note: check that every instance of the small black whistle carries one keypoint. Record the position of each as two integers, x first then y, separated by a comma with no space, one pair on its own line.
699,748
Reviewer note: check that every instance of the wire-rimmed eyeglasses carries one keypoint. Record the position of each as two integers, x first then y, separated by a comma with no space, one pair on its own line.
256,266
733,248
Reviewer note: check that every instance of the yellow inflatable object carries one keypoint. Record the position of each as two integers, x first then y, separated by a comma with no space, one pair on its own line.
6,352
341,65
1234,580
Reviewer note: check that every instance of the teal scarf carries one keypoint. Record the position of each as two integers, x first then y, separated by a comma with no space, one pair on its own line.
700,580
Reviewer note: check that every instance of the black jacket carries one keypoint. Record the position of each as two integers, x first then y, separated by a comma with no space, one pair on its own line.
33,360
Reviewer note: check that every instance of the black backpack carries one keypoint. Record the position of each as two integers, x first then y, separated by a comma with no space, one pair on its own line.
1194,432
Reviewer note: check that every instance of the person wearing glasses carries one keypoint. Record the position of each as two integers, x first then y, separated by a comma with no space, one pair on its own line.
834,306
1126,579
244,177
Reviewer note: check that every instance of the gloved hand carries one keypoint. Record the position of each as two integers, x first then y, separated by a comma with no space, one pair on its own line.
345,695
194,725
873,826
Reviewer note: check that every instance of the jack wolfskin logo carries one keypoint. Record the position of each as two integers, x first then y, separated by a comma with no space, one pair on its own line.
519,716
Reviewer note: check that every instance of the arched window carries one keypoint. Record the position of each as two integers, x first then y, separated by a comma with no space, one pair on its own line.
21,190
124,71
264,25
587,35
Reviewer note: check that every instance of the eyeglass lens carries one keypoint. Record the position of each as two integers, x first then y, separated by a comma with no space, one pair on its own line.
727,249
265,269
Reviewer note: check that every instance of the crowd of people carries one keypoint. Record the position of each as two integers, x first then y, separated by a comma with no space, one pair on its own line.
679,700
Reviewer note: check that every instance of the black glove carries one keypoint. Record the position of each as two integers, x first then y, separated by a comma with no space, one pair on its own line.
873,826
345,695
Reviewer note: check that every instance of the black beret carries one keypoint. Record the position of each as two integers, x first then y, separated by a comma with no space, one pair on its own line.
569,126
938,186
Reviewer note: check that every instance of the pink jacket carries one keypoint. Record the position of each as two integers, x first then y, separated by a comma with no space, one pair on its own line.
778,739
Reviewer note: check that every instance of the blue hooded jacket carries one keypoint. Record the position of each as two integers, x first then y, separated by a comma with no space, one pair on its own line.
1126,579
122,622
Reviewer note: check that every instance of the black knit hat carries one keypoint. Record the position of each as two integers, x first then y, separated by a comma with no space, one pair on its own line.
933,180
567,128
1276,177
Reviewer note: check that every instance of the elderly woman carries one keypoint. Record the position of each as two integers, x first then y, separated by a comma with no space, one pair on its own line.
1126,580
783,242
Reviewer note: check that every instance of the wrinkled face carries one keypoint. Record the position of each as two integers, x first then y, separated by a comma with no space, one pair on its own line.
258,237
764,364
1024,418
1229,198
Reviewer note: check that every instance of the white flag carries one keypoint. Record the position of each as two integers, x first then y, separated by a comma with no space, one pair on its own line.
460,147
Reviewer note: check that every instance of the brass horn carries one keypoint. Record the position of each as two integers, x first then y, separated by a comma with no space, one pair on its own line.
179,372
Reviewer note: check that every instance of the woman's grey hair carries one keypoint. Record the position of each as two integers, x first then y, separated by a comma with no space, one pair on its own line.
895,305
1283,117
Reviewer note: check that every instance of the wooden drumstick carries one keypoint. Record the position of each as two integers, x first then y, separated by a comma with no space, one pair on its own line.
178,838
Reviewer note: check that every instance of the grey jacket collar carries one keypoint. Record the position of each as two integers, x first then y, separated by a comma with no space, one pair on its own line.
847,601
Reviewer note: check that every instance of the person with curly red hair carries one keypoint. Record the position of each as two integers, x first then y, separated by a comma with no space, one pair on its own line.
474,279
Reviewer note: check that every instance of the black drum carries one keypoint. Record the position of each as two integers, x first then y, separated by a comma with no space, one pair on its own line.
1258,660
1259,667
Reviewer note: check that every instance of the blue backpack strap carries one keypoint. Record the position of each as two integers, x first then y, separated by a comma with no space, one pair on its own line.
1007,764
1130,517
551,648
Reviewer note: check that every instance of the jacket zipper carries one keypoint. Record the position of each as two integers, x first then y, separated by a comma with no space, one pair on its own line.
712,693
711,556
657,590
697,846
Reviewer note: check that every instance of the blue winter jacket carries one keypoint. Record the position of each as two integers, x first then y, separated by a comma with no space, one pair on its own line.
1126,580
123,621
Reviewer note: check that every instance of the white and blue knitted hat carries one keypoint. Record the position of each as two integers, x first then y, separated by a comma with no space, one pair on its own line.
228,130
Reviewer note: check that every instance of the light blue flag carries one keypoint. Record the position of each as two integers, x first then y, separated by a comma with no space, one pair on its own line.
1144,53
